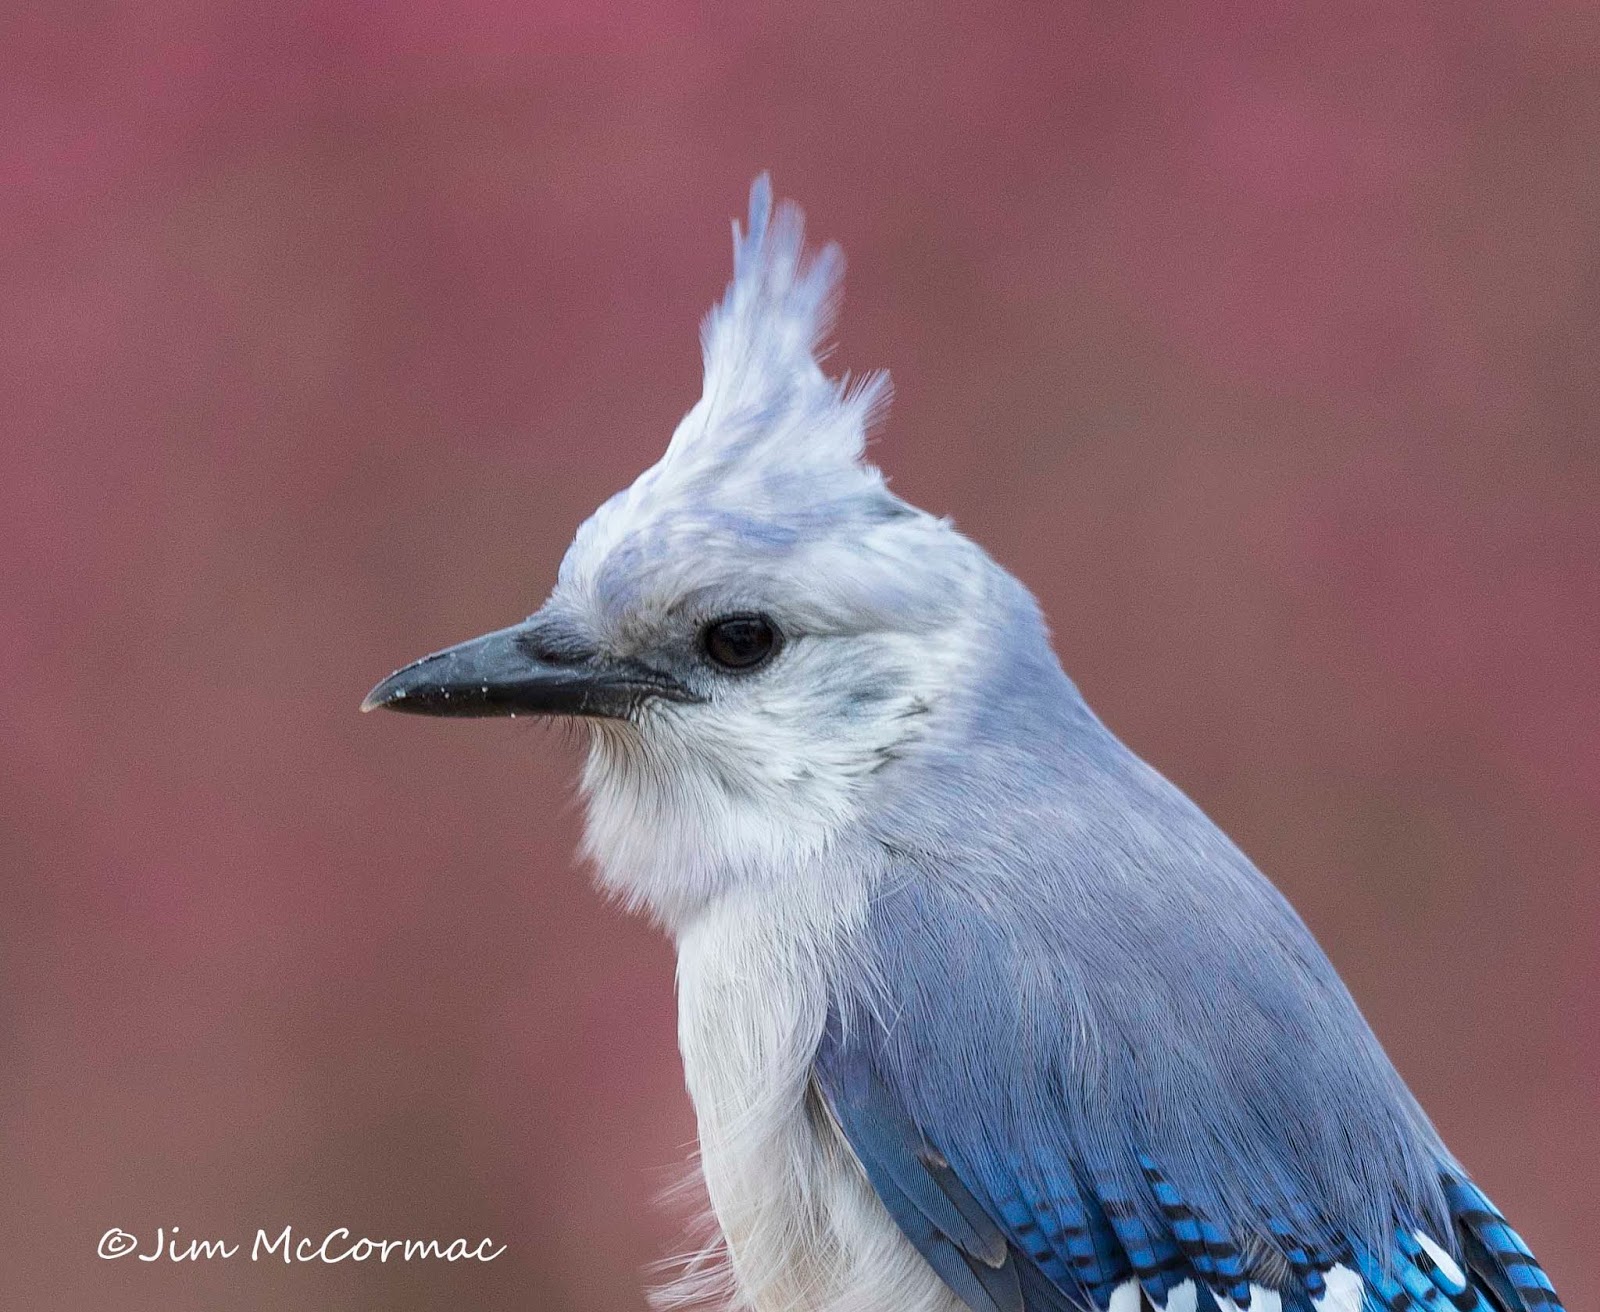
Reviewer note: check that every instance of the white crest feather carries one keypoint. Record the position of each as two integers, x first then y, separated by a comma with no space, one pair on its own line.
764,337
772,438
766,402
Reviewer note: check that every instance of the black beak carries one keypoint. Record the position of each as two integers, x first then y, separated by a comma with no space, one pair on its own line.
521,671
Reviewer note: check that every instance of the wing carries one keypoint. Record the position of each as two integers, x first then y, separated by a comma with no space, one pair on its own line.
958,1234
1022,1228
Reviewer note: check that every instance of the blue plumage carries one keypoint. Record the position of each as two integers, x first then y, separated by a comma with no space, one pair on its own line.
1130,1095
927,1198
1080,1052
1495,1252
1072,1245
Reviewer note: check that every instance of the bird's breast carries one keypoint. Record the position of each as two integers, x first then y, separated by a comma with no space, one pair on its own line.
804,1231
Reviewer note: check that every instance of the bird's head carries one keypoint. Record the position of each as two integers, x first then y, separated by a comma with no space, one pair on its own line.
756,631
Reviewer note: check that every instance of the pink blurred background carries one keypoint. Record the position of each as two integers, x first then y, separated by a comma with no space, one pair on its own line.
1260,339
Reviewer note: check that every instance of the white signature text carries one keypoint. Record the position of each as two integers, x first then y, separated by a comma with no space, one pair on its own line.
338,1245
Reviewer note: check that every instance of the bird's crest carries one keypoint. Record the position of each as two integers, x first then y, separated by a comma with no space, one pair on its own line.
763,339
769,460
768,416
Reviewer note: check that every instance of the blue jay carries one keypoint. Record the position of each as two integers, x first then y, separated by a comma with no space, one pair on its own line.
978,1012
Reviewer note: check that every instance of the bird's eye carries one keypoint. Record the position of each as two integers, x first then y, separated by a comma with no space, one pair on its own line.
739,642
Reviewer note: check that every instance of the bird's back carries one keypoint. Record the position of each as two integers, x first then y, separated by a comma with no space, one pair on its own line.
1124,1045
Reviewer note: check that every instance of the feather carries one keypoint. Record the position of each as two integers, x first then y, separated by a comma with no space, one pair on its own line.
1070,1037
1496,1253
927,1199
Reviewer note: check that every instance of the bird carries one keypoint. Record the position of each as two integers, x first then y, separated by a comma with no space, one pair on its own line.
978,1012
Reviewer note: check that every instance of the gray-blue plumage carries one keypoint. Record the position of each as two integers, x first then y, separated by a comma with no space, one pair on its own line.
1099,1003
1092,983
955,966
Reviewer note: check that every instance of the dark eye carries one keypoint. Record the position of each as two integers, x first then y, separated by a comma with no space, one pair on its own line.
739,642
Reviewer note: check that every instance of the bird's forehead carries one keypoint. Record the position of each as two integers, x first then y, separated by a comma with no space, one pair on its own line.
857,559
641,556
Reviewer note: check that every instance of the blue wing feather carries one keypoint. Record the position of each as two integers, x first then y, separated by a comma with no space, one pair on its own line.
1496,1253
1030,1230
928,1200
1114,1039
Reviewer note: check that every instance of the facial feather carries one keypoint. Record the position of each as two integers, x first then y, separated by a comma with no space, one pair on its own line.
763,503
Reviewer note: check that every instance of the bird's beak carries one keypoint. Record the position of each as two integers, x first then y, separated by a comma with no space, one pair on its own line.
519,671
